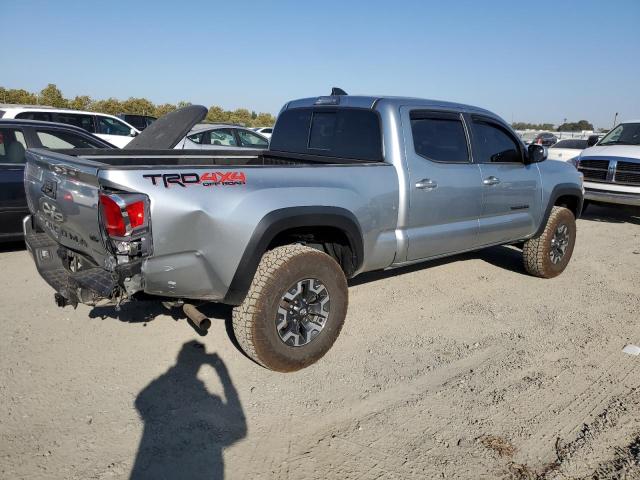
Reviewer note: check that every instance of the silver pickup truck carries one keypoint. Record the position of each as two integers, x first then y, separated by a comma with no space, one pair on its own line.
349,184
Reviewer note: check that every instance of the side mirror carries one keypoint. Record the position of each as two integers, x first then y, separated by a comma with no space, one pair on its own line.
133,133
536,153
592,140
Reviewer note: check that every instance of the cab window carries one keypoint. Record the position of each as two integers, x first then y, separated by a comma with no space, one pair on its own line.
493,144
439,136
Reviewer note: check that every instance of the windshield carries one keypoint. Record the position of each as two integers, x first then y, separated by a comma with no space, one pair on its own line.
623,134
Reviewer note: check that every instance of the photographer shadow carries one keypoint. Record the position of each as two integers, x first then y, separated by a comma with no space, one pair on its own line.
186,428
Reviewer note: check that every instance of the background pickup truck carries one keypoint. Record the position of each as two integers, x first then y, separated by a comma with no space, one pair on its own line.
349,184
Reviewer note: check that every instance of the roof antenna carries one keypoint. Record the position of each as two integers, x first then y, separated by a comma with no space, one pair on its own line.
338,91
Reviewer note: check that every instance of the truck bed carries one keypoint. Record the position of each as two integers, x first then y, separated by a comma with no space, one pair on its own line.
107,158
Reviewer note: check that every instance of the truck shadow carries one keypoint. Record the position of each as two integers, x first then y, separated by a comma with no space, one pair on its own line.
186,427
503,256
612,214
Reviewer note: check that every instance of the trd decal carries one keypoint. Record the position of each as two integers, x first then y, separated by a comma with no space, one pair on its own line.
208,179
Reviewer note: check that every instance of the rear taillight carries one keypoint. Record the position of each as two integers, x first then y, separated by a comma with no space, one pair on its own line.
112,217
135,211
124,215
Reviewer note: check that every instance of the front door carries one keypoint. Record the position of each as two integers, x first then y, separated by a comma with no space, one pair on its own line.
445,187
511,190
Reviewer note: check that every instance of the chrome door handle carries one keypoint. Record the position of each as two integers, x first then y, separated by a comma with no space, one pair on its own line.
491,180
426,184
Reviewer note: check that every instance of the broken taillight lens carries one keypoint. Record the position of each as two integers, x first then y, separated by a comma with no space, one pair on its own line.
112,217
135,211
123,214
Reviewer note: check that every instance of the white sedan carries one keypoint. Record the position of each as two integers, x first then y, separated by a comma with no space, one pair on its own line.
264,131
566,150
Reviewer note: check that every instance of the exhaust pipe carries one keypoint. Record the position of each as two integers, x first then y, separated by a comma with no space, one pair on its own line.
198,318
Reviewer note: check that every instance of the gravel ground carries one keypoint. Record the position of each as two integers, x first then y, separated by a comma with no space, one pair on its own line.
463,368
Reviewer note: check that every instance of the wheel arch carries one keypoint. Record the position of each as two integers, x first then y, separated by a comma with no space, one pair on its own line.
277,225
564,194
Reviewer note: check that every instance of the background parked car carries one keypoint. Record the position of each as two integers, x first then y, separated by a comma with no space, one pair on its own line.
15,137
566,150
212,136
545,139
139,121
112,129
264,131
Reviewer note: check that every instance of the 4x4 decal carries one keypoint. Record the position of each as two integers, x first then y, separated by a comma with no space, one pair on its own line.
208,179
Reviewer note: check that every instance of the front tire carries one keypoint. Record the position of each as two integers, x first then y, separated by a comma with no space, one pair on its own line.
294,310
547,256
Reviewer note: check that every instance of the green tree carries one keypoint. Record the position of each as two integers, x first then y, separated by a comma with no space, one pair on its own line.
264,120
575,126
52,96
140,106
532,126
217,114
111,106
163,109
81,102
18,96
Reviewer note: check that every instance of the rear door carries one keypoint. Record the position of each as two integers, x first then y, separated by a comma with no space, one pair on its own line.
445,192
511,190
13,204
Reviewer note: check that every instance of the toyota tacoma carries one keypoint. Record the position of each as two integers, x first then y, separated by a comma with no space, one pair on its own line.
348,184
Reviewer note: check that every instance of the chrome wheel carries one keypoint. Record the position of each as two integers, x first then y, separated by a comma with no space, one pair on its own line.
559,243
303,312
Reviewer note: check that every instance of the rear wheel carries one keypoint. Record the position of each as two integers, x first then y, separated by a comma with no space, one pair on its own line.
294,310
547,256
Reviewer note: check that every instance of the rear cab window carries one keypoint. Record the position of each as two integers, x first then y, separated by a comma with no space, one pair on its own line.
439,136
345,132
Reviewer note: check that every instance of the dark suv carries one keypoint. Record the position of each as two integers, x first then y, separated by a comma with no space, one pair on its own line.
545,139
15,137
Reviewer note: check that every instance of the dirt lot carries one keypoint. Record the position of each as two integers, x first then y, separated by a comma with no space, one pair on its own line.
463,368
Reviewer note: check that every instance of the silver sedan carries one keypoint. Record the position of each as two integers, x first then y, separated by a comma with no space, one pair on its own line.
222,136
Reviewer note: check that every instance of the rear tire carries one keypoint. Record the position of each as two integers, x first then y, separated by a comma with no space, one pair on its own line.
547,256
294,310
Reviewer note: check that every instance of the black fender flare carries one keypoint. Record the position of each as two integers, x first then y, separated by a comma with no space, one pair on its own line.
283,219
561,190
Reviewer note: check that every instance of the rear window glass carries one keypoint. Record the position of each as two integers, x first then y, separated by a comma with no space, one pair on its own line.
577,144
343,132
42,116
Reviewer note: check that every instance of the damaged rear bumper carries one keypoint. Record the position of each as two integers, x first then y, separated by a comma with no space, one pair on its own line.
88,285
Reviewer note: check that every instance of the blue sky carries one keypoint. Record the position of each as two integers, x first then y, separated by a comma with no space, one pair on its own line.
528,61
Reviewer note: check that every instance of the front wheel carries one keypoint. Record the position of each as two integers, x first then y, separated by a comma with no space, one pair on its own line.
547,256
294,310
